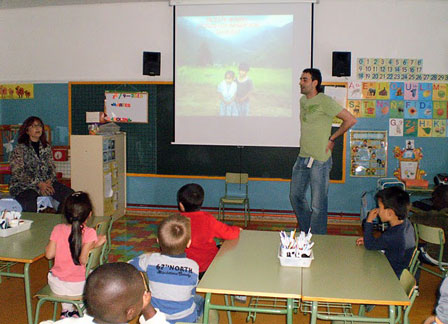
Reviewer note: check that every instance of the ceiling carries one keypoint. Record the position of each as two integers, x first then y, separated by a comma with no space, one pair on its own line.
9,4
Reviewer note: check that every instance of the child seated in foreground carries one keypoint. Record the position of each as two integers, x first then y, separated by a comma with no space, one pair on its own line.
204,227
172,276
398,241
69,246
116,293
441,316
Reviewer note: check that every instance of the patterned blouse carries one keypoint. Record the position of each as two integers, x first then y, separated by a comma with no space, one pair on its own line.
28,169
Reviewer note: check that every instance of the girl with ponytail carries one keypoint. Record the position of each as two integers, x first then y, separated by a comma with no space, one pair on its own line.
69,246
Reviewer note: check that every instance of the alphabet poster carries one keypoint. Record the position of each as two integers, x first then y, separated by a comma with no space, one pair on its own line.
126,107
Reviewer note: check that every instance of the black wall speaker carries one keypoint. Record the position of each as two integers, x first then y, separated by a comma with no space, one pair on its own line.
342,64
151,63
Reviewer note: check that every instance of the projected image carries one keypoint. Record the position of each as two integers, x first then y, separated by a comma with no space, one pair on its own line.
234,66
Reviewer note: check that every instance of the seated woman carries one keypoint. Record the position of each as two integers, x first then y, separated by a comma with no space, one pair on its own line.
33,172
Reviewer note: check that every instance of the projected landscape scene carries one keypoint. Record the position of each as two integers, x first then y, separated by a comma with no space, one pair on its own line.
234,66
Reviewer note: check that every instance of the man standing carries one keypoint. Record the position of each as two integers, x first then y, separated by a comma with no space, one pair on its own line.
313,165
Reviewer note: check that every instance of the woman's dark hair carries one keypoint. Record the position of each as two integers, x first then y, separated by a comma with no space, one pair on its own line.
77,208
24,137
315,76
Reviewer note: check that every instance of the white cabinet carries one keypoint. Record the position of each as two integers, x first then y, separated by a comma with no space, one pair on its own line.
98,167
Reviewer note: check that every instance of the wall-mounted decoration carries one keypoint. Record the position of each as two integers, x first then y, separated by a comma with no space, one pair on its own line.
395,69
126,107
16,91
368,151
408,166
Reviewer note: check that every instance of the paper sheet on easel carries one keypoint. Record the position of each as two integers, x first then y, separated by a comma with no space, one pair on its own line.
108,192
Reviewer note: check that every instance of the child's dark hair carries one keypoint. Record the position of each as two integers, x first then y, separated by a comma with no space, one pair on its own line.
440,197
24,138
174,233
111,289
244,67
229,73
77,208
191,196
396,199
315,76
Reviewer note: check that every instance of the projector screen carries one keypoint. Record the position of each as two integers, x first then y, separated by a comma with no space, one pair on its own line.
237,70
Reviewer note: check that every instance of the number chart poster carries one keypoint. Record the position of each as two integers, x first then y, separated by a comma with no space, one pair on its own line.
368,153
126,107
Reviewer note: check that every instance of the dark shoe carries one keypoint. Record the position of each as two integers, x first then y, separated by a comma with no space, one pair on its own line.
74,314
64,314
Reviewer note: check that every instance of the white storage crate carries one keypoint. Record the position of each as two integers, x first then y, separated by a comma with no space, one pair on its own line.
24,225
294,261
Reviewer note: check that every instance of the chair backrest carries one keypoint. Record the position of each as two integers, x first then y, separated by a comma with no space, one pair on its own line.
414,263
434,235
104,228
240,178
94,259
408,282
233,179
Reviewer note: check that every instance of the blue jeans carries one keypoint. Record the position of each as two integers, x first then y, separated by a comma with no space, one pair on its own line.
199,301
318,178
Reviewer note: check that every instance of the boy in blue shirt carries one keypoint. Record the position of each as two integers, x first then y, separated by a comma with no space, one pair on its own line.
398,241
172,276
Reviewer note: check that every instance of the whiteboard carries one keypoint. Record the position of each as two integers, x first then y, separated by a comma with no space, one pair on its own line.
126,107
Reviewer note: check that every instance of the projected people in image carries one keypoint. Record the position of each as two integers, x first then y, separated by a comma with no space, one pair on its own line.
244,89
227,91
214,46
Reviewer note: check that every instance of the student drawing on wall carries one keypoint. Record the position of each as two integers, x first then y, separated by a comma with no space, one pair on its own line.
244,89
227,89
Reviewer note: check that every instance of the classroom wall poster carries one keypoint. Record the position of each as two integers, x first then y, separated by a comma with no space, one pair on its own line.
16,91
126,107
396,126
368,151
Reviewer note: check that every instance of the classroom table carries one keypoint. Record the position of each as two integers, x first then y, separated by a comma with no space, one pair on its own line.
28,247
249,266
342,272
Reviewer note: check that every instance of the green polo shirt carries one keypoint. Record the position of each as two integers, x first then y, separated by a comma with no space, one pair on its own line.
316,117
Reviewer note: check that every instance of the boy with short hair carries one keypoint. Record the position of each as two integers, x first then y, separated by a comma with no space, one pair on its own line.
398,241
204,227
172,276
116,293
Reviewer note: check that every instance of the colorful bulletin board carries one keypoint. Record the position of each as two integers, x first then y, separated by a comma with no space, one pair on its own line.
368,153
126,107
412,109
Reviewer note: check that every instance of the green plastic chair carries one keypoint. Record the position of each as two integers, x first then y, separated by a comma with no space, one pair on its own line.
409,284
46,295
434,235
229,198
105,228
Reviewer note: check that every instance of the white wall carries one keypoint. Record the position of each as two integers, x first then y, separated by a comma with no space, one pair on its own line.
382,28
106,41
85,42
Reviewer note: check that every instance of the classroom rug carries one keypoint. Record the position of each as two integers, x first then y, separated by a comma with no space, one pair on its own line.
135,234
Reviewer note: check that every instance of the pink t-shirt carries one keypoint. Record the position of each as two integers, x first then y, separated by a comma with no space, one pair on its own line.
63,267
